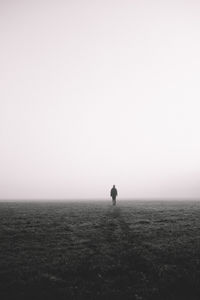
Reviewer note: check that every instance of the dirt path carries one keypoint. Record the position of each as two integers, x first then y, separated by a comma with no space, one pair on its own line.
114,258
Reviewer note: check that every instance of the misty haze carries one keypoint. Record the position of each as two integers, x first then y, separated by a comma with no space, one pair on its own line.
99,149
99,93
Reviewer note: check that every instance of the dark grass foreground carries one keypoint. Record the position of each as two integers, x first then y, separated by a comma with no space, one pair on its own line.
91,250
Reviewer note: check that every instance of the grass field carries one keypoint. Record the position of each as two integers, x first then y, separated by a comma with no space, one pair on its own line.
91,250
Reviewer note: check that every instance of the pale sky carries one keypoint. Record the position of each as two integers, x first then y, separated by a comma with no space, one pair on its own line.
96,93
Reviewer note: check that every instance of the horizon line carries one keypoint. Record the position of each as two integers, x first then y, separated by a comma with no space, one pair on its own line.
104,199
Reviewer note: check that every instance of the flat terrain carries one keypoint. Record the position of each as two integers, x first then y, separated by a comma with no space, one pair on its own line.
91,250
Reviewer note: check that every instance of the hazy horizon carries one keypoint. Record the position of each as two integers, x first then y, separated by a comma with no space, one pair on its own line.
120,201
99,93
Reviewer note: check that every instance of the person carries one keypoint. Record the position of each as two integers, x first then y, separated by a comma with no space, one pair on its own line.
113,194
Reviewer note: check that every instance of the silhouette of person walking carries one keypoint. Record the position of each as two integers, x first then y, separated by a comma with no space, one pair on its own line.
113,194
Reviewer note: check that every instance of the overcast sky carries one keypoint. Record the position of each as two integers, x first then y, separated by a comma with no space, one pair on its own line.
96,93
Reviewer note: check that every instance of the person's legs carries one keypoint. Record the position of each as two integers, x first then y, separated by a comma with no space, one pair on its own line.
114,200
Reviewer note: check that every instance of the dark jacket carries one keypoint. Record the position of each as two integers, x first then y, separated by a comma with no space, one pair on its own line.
113,192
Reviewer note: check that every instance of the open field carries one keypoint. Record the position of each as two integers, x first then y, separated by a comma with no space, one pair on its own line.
90,250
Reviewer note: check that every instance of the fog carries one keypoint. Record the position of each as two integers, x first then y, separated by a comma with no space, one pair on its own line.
96,93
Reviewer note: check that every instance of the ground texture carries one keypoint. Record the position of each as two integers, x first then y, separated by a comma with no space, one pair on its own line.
90,250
